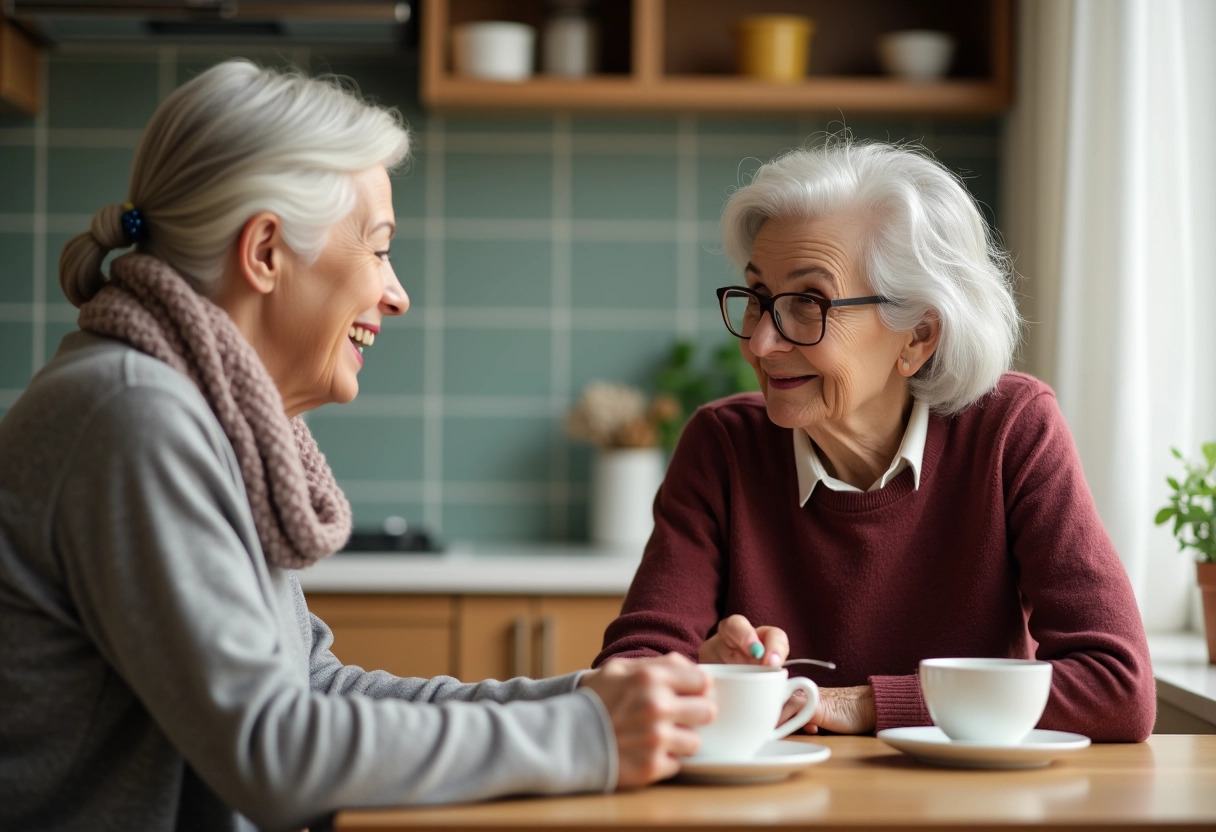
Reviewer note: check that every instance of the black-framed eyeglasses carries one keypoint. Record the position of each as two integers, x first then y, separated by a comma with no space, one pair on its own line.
800,317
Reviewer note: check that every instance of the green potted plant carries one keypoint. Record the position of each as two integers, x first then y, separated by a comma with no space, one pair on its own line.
685,383
1192,507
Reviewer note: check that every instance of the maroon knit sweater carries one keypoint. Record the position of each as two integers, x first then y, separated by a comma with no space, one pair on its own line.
999,550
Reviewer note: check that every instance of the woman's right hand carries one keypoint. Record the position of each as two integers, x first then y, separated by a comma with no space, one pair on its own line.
654,703
738,642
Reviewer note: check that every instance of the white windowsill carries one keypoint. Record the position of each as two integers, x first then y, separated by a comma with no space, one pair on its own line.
1185,679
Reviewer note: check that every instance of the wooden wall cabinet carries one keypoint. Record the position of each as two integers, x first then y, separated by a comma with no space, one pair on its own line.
19,76
471,637
678,55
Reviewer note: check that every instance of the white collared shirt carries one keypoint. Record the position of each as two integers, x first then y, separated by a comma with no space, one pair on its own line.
911,454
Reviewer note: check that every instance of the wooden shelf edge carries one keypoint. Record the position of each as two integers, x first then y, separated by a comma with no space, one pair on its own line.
19,82
721,94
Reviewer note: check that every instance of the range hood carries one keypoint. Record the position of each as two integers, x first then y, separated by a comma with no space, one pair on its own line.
298,22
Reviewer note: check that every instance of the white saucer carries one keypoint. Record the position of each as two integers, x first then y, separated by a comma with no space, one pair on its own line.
929,744
774,761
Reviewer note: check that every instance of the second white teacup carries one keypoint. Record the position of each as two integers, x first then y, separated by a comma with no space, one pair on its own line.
996,701
749,699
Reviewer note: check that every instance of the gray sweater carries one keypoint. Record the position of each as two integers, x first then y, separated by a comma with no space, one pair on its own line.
158,675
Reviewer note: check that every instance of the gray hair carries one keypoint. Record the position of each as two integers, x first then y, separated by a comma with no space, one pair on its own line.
927,248
236,140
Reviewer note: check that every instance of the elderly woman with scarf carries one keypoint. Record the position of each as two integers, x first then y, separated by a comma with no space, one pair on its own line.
161,669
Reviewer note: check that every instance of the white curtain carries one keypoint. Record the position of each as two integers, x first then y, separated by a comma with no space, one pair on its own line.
1111,216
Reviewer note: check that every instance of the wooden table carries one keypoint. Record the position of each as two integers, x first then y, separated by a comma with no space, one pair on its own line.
1169,781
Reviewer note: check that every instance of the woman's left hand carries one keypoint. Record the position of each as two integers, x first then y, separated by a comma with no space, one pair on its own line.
840,710
738,642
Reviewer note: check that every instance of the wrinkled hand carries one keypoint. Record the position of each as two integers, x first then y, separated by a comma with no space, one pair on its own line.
654,704
840,710
733,644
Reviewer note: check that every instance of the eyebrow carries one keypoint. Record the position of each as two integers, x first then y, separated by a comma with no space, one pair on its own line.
803,272
392,227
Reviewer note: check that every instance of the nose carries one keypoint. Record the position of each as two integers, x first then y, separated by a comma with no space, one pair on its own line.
394,301
765,339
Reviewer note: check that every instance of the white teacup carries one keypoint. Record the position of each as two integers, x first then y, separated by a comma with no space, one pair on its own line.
995,701
749,699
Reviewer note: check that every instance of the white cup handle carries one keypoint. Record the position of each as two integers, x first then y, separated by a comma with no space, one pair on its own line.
808,710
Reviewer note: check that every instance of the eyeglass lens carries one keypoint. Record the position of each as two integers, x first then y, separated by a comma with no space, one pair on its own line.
798,318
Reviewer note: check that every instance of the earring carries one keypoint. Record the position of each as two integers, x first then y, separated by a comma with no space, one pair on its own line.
906,365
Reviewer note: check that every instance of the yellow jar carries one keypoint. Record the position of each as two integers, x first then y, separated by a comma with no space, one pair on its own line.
773,47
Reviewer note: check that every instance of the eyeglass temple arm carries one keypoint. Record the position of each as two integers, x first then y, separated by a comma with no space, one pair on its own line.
860,301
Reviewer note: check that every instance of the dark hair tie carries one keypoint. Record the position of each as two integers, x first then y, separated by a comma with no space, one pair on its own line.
133,225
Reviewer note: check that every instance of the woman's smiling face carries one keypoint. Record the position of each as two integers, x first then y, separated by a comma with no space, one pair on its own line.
853,369
332,308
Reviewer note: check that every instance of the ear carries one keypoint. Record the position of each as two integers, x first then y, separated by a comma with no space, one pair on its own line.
261,252
920,345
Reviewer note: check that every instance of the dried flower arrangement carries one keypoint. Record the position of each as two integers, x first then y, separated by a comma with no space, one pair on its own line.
611,415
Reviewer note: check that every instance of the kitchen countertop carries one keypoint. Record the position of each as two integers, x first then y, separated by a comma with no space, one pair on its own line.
480,569
1185,679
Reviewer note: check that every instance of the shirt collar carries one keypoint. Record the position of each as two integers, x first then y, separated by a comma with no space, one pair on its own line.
911,454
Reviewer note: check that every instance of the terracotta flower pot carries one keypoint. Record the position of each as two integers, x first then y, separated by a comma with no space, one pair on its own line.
1206,575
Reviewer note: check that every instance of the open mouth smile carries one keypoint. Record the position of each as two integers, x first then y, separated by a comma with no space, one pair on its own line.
361,337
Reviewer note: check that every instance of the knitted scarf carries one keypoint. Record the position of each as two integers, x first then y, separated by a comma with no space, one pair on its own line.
300,512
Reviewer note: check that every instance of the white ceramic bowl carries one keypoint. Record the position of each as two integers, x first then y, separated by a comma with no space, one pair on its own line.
993,701
916,54
493,50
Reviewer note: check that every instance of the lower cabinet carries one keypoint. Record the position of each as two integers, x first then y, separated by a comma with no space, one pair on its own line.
471,637
501,637
406,635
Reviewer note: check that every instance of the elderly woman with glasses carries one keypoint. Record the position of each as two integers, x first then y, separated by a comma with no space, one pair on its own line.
893,492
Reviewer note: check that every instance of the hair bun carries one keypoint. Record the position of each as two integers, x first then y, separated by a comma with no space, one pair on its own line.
80,274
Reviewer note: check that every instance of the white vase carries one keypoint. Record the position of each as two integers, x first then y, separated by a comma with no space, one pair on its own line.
623,485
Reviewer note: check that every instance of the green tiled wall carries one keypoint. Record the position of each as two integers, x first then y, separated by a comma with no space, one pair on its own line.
540,253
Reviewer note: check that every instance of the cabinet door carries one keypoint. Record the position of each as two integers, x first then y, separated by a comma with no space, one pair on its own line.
505,636
571,631
407,635
495,637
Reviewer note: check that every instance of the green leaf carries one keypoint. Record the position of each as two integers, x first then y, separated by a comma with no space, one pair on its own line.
1196,514
1165,514
1209,453
1173,483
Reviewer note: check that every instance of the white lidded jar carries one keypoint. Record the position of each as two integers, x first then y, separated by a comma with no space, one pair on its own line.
570,41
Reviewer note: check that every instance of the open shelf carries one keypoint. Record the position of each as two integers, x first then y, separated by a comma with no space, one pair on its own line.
677,55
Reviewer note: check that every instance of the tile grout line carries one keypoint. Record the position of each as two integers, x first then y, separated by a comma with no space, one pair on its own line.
687,236
561,337
467,492
166,72
38,318
433,325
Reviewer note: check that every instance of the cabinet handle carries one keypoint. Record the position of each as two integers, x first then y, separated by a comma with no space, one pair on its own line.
520,652
548,647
